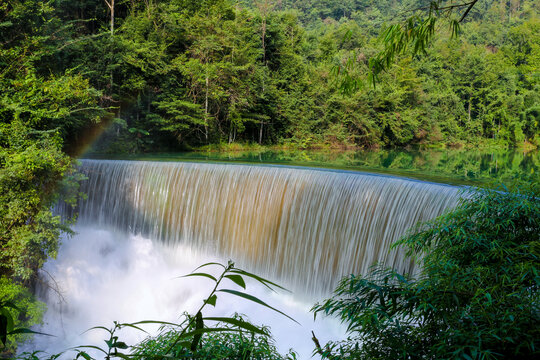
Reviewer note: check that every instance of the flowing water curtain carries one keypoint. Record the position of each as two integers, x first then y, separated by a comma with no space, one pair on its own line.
303,226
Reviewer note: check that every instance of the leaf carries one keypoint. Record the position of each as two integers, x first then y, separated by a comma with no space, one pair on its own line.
84,355
134,327
122,356
242,324
263,281
212,300
120,345
27,331
208,264
8,318
91,347
237,279
154,322
9,304
199,324
256,300
98,327
201,274
3,329
207,330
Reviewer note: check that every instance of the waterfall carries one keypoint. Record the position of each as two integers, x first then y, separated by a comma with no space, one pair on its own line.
304,227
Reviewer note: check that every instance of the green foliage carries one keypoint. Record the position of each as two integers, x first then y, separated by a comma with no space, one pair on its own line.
42,112
33,172
475,298
188,74
219,345
18,311
32,169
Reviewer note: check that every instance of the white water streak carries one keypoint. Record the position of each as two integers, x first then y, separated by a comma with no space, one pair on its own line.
304,227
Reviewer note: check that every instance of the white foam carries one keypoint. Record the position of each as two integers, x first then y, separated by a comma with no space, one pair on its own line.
106,276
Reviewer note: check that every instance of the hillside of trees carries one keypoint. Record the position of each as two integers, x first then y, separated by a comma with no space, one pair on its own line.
166,75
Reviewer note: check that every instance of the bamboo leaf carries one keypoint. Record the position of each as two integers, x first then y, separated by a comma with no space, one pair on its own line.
202,275
236,322
154,322
263,281
92,347
134,327
237,279
256,300
120,345
212,300
199,324
98,327
27,331
207,330
208,264
122,356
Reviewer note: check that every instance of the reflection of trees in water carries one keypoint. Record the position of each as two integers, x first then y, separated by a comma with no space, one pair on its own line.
453,166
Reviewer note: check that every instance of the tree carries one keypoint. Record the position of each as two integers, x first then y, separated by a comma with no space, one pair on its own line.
417,31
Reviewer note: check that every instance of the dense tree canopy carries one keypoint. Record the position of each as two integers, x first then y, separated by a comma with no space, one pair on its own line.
188,73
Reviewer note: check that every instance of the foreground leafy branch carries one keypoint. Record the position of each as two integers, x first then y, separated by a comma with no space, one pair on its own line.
198,336
412,35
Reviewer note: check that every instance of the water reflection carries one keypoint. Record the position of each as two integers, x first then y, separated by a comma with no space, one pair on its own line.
450,166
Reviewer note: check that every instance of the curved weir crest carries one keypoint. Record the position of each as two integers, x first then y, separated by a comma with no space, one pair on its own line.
304,227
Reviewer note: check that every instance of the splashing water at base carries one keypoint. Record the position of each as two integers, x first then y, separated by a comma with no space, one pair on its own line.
102,276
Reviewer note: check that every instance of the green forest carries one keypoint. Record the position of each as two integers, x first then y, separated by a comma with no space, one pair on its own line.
169,75
145,76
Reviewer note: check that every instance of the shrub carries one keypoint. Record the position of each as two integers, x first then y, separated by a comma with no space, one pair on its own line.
476,297
218,345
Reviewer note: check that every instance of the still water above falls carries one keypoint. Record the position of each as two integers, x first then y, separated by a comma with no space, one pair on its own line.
304,227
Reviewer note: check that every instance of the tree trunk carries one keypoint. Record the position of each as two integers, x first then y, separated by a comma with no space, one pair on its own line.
112,17
264,39
110,5
206,109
